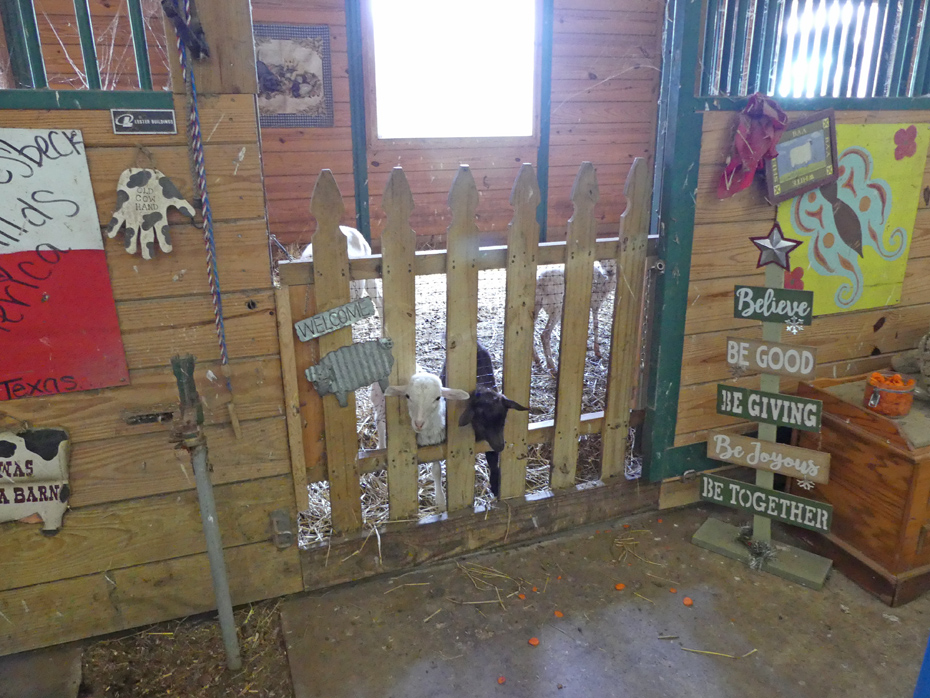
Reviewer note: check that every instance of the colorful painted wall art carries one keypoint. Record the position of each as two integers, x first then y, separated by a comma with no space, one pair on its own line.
857,231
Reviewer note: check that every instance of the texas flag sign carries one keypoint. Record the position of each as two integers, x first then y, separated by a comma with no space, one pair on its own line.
59,331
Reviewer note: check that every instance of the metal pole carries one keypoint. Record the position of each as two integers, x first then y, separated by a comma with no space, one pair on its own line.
193,439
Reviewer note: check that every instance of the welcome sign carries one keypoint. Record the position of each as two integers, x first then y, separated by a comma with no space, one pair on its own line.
335,319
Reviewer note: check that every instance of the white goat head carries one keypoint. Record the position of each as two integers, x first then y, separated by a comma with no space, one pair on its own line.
424,393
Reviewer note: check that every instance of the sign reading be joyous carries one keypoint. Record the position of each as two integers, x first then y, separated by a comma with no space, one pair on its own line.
792,461
58,325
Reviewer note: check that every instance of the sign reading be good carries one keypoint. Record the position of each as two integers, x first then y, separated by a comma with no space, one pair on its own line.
792,461
769,408
797,511
772,357
773,305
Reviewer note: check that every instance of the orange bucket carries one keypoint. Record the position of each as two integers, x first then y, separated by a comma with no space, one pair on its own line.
889,395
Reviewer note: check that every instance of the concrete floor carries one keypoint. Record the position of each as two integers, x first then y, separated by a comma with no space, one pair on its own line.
407,637
54,672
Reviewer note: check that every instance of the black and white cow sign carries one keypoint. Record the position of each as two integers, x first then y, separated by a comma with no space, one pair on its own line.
34,477
143,198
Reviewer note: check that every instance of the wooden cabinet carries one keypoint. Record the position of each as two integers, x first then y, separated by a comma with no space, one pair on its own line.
879,488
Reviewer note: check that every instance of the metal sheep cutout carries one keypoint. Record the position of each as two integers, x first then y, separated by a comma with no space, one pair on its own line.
143,197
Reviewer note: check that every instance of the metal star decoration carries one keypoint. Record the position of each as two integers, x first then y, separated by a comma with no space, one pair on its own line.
774,248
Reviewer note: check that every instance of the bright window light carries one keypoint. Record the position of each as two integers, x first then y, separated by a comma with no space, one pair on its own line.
846,29
454,70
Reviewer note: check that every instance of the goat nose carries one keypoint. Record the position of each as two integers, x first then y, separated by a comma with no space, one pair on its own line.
418,425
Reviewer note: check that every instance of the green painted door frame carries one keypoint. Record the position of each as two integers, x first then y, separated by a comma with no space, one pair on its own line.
679,176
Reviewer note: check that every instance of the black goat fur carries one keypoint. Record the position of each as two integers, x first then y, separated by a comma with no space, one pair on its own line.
486,411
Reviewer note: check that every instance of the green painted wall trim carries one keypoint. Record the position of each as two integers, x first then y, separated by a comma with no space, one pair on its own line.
139,45
678,461
814,103
84,99
545,117
88,49
22,40
679,183
359,132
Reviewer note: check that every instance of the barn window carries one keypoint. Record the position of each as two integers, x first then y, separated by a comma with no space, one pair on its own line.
452,70
815,48
70,53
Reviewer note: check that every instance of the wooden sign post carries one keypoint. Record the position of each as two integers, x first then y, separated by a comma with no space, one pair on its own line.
777,308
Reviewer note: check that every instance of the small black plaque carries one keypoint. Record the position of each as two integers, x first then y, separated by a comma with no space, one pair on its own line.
143,121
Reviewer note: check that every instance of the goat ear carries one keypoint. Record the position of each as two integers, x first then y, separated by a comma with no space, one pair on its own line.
454,394
395,390
514,405
467,415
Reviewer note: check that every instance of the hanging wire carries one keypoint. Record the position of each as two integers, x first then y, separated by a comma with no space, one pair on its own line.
200,177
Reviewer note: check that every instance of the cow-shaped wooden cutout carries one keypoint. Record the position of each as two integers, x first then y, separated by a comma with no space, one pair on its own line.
34,477
143,197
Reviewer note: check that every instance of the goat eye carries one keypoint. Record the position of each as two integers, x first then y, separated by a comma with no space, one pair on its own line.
437,399
407,396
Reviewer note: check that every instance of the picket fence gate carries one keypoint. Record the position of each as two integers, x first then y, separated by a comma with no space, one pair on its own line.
323,436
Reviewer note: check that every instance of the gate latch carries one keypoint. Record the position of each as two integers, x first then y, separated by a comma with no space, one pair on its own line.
281,534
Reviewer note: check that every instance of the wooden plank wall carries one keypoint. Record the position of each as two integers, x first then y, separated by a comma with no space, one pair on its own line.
605,83
132,550
847,343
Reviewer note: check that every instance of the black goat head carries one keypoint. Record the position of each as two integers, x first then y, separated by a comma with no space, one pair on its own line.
486,411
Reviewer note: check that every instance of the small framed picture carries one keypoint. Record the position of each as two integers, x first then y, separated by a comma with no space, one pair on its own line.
806,158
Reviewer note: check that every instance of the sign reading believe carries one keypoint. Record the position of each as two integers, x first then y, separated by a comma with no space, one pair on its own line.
773,304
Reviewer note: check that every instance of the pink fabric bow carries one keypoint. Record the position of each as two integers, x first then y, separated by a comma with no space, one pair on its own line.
761,123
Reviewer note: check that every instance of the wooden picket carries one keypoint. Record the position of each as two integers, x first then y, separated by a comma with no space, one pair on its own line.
522,243
399,243
324,284
461,334
624,342
331,279
579,272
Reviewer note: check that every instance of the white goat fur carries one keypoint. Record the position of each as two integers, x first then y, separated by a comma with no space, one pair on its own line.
426,405
550,291
358,247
